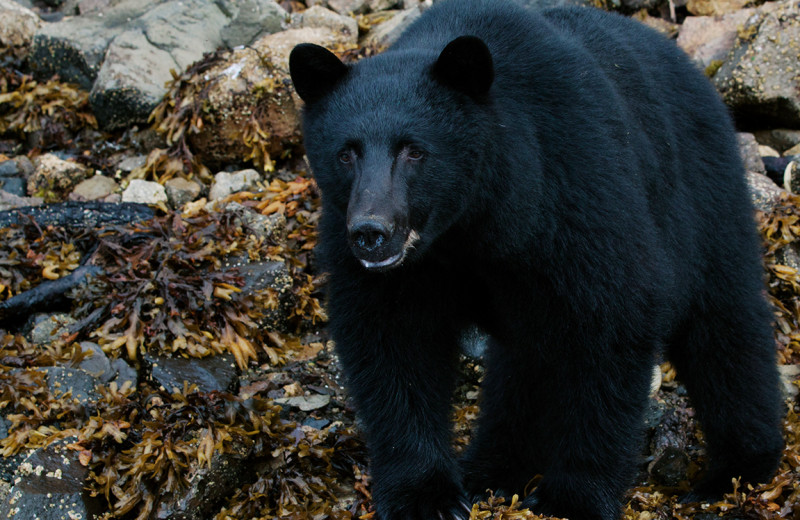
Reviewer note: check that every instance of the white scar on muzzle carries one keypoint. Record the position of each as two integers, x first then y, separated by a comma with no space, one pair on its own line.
412,239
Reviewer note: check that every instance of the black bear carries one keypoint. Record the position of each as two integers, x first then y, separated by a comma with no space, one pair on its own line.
568,182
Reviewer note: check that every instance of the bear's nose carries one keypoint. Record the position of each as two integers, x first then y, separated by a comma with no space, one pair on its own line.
369,234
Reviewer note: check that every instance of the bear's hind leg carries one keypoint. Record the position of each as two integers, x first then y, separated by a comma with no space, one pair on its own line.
725,356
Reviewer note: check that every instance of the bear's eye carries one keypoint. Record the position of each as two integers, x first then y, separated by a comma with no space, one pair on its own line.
415,155
345,157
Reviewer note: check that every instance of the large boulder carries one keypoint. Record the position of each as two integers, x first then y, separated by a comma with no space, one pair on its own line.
250,110
760,80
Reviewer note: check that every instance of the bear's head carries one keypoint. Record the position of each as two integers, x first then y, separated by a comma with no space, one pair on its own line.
397,142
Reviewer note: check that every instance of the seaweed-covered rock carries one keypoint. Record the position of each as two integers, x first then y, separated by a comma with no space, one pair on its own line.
213,373
53,177
250,111
17,27
761,78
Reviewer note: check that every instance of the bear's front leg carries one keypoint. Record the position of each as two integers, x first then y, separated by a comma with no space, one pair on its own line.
398,346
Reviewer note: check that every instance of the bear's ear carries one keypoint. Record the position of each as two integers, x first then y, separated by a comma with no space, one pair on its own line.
315,71
466,65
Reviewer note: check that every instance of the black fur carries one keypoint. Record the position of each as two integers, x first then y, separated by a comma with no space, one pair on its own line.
576,192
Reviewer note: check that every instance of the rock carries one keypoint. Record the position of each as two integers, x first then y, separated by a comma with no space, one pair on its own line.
129,164
781,139
381,5
709,39
208,485
761,78
213,373
665,27
8,167
714,7
80,384
794,150
10,201
53,178
347,7
250,19
49,485
49,327
789,374
92,6
764,193
320,17
130,60
251,90
180,191
124,373
96,187
226,183
96,364
13,185
766,151
269,227
144,192
305,403
670,467
748,149
386,33
17,27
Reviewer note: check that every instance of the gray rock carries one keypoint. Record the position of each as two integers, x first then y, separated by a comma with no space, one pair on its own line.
131,81
764,193
212,373
349,6
305,403
318,16
49,327
17,27
269,227
761,78
79,383
129,164
251,19
226,183
96,364
94,188
386,33
144,192
124,373
751,157
9,167
49,485
10,201
781,139
180,191
382,5
13,185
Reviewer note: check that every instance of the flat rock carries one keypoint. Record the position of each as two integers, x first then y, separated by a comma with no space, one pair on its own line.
213,373
226,183
144,192
49,485
78,383
761,78
94,188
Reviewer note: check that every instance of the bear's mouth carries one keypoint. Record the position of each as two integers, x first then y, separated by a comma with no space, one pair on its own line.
394,260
